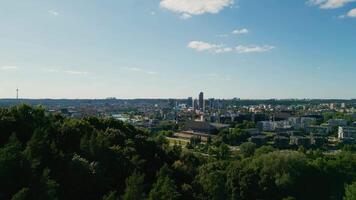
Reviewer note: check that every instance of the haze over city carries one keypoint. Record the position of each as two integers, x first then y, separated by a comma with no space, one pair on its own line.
175,49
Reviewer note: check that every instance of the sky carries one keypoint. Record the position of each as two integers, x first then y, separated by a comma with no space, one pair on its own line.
250,49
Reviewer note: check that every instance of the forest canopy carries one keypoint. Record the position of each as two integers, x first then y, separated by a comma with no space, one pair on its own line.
48,156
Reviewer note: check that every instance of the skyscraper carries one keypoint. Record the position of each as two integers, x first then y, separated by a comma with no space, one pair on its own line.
201,102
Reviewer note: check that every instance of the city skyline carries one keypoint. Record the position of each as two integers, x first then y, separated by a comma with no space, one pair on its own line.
174,49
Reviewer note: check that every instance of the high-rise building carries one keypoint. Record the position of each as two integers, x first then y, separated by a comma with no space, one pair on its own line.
201,101
190,102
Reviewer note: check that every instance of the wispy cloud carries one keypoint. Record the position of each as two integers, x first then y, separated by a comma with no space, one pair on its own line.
215,48
185,16
9,67
203,46
188,8
329,4
240,31
139,70
68,72
53,13
253,48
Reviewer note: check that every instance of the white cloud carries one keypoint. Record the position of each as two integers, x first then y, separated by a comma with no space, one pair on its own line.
189,8
151,72
240,31
185,16
72,72
214,48
253,49
352,13
203,46
8,67
53,13
133,69
329,4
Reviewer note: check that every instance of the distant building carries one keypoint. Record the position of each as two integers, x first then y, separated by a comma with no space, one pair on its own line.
253,131
195,104
273,125
266,125
337,122
200,127
300,141
318,130
307,121
190,102
317,141
343,105
345,132
189,134
301,122
212,104
172,103
201,102
259,140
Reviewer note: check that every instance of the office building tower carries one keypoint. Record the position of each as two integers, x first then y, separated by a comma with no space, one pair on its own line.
201,102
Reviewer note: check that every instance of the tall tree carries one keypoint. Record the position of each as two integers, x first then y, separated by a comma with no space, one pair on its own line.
134,187
164,188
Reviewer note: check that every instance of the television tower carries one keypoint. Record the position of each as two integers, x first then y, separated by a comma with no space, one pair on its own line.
17,93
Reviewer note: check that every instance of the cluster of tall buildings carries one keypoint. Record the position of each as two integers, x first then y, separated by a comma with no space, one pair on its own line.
197,104
202,104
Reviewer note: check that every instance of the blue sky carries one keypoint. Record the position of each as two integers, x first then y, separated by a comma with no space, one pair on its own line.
177,48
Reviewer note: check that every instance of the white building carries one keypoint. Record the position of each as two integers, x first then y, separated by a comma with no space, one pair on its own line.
347,132
301,122
273,125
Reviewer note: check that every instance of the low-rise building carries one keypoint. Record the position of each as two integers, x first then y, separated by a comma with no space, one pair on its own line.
317,141
337,122
266,125
273,125
187,135
259,140
347,132
253,131
300,141
319,130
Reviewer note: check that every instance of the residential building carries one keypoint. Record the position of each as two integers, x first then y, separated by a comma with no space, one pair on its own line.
337,122
347,132
300,141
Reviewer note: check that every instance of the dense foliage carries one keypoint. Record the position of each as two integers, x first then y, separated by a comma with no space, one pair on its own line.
44,156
